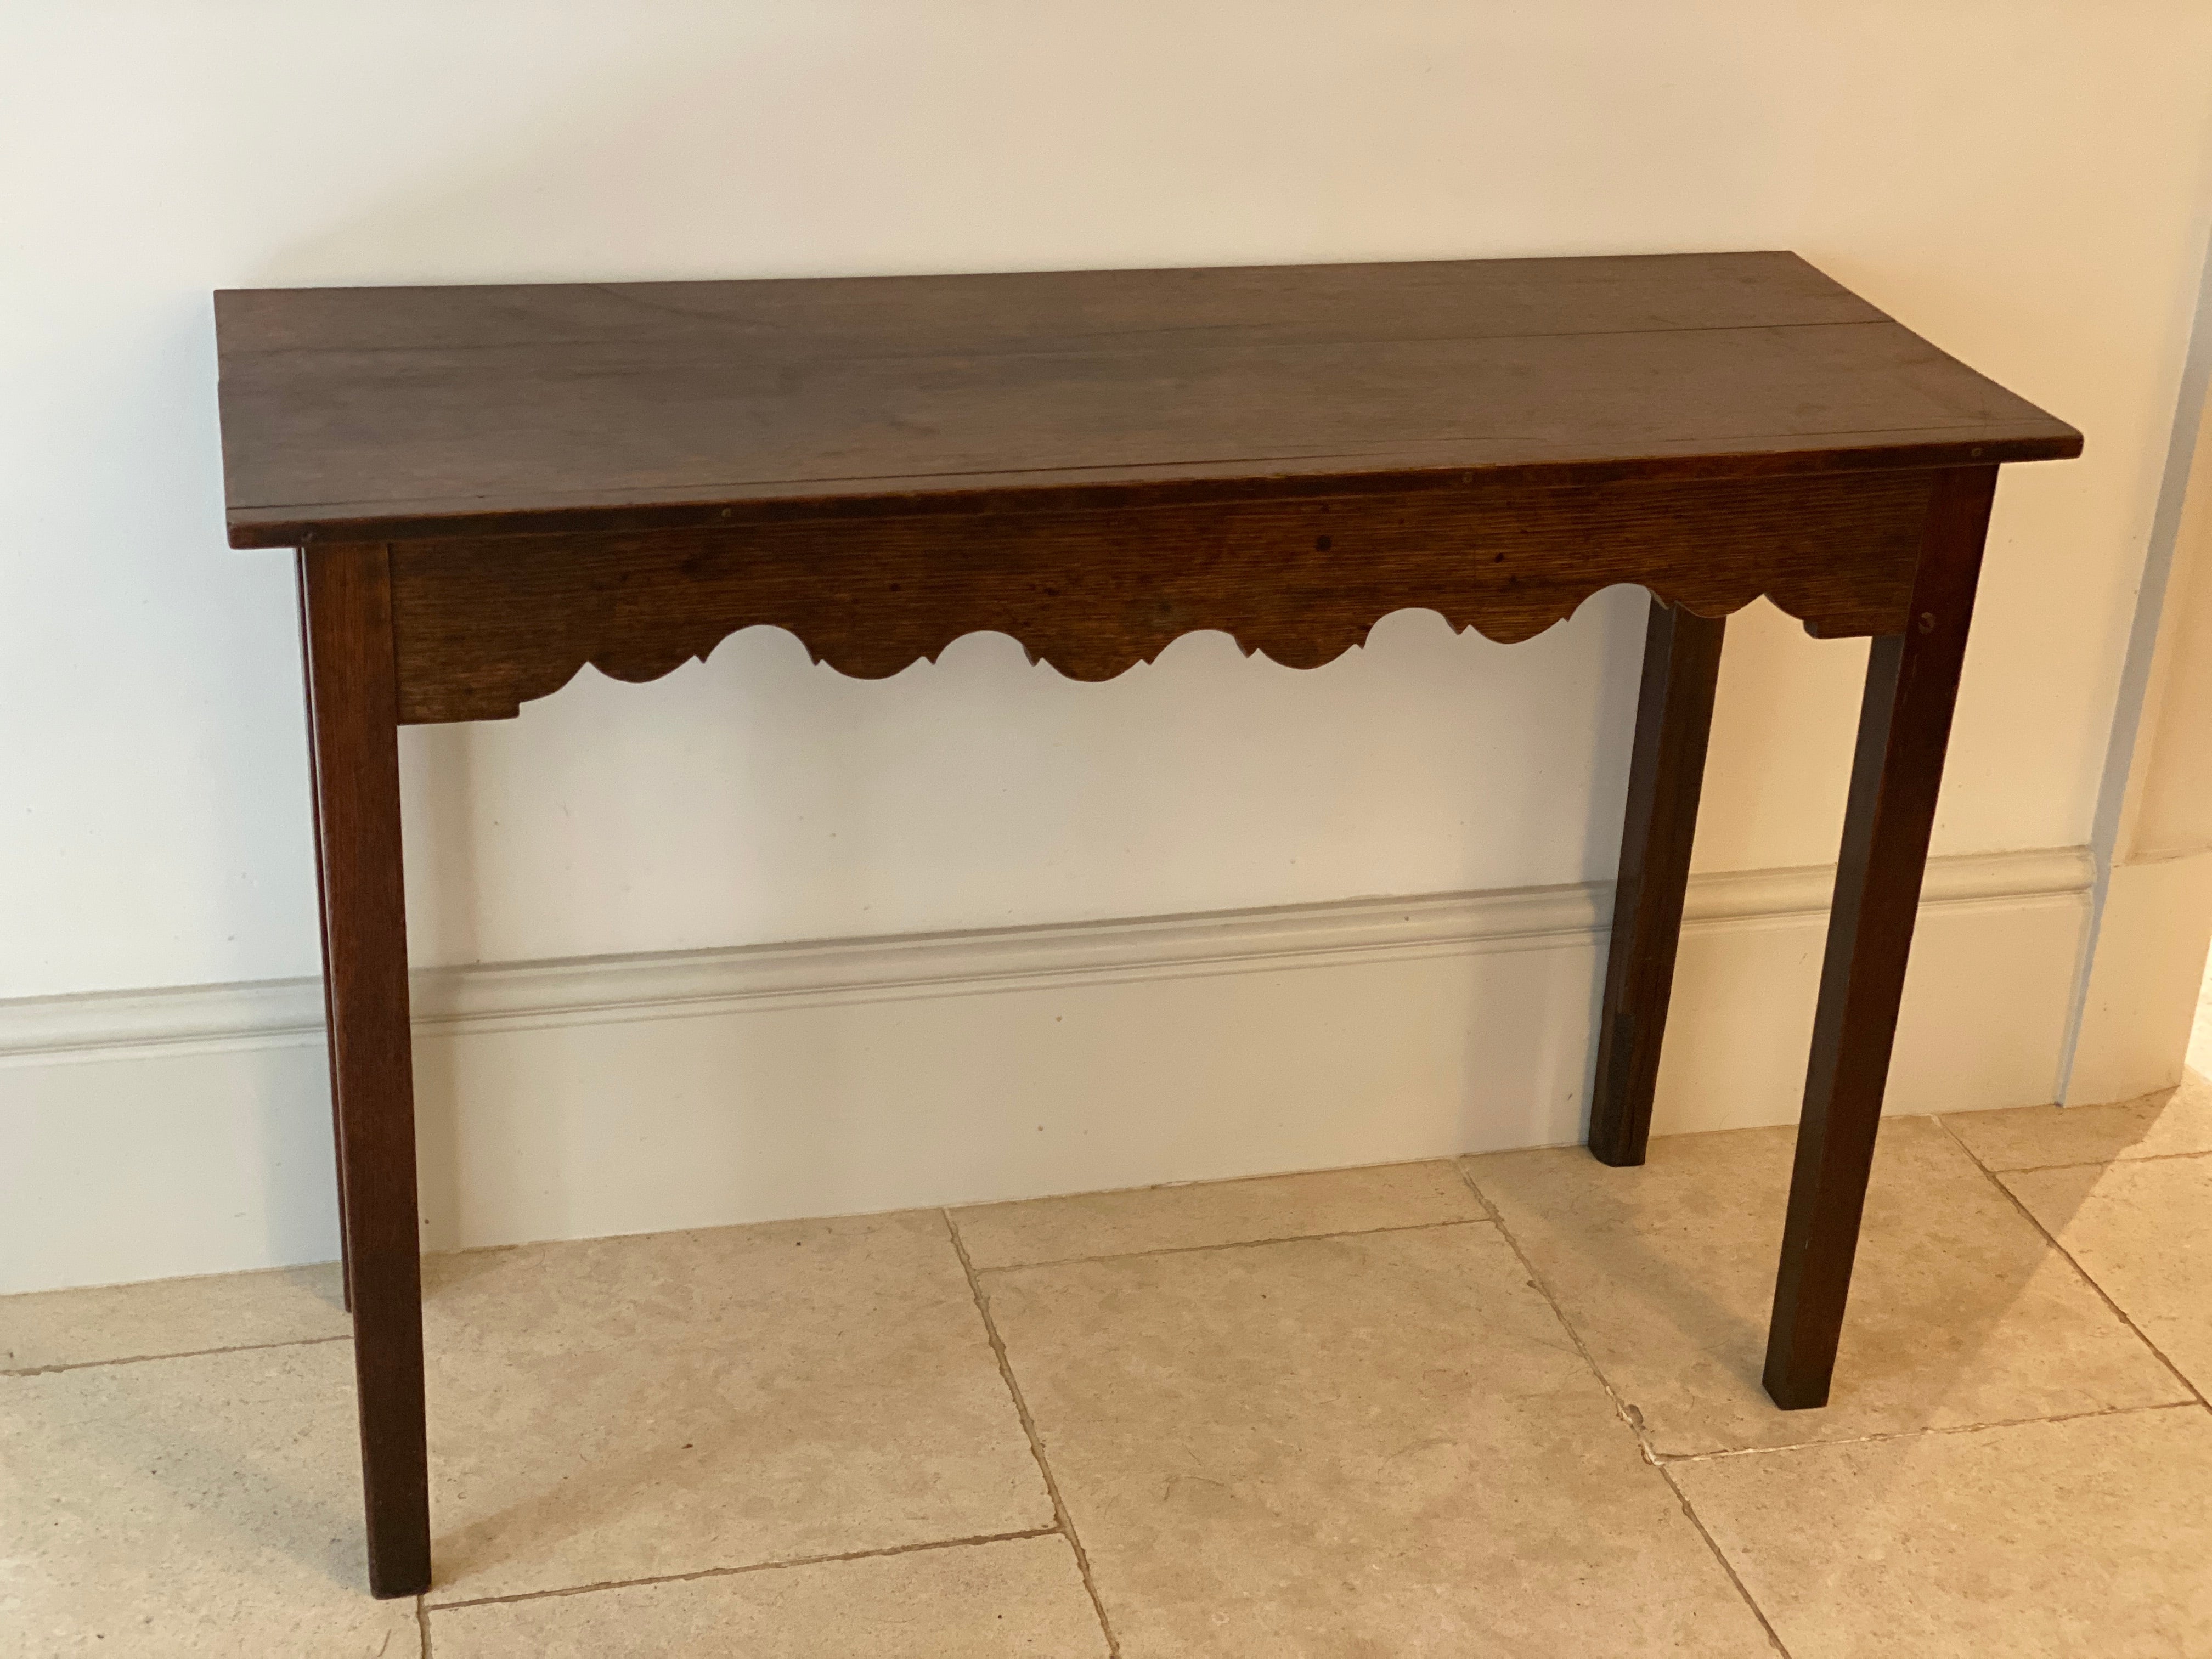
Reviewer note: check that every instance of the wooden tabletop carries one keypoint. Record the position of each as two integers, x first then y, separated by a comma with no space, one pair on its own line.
418,412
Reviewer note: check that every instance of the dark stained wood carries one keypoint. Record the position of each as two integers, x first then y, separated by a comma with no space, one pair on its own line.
427,412
1673,720
484,625
354,695
323,918
495,486
1905,726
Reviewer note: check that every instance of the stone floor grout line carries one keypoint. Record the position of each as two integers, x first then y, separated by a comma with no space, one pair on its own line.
2087,1278
189,1353
1236,1244
1201,1181
1627,1414
749,1567
1888,1435
1061,1522
1690,1510
2078,1163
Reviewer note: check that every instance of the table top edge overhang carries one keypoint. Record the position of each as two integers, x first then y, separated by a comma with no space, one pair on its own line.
1776,257
259,527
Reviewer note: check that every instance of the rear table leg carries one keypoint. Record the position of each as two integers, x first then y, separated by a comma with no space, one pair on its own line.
1674,719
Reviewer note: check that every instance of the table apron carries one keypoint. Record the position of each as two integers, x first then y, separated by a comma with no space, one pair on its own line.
483,625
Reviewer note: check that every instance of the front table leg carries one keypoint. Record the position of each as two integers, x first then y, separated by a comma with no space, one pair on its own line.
1905,723
353,694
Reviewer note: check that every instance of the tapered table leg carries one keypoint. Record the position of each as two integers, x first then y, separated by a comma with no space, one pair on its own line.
323,910
354,703
1673,720
1904,724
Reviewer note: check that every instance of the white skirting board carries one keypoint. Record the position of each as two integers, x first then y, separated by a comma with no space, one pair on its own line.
186,1130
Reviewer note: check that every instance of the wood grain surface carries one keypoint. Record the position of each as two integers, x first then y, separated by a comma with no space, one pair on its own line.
410,413
485,625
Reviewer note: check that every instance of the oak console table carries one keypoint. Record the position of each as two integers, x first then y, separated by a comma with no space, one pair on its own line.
490,487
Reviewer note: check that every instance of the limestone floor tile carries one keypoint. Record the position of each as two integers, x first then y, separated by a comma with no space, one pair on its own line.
2028,1137
637,1407
2039,1541
1961,1310
202,1505
1016,1597
2144,1231
1215,1213
171,1317
1366,1445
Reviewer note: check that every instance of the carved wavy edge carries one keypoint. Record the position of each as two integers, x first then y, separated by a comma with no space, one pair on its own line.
1294,645
493,626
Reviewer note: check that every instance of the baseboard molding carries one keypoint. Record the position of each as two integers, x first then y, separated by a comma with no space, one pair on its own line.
675,984
186,1130
2145,979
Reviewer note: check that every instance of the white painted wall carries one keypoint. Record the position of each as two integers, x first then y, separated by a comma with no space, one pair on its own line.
2152,897
2025,181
